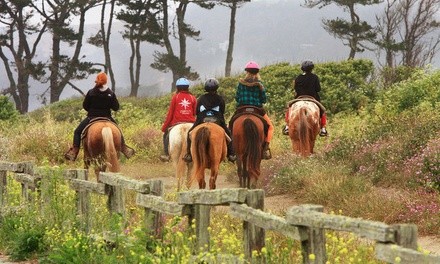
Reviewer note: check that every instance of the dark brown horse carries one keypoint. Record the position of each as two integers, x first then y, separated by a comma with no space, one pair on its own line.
303,127
102,144
208,149
248,138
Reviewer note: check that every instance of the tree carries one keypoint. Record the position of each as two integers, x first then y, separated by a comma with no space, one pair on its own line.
16,16
102,39
420,31
233,5
354,33
63,68
141,25
169,61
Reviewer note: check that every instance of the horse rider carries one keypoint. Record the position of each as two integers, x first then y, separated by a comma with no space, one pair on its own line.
251,92
307,84
99,102
182,109
211,106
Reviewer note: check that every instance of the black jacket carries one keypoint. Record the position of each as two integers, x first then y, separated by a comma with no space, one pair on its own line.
100,103
307,84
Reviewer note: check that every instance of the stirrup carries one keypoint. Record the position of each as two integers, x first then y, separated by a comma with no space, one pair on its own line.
232,158
164,158
187,158
323,133
286,130
267,155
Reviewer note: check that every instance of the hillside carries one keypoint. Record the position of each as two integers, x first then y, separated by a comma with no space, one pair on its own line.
380,161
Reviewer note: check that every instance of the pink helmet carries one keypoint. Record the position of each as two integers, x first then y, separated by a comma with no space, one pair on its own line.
252,65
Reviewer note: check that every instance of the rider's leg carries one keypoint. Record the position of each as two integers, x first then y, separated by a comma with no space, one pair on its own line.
286,127
266,150
72,153
188,157
323,131
231,152
125,149
165,139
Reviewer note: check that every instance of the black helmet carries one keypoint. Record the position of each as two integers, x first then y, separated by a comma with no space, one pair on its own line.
307,66
211,85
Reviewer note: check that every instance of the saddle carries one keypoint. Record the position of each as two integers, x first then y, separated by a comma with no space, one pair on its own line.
96,120
306,98
250,110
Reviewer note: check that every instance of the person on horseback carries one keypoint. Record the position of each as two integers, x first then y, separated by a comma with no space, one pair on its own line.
211,105
182,110
250,91
307,84
99,102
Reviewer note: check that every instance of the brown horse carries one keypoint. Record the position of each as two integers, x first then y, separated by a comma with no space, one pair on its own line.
177,149
303,127
248,138
208,149
102,144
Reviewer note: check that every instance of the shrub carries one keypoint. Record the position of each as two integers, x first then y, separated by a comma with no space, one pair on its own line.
7,109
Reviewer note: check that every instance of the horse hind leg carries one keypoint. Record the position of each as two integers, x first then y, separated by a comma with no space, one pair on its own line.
213,178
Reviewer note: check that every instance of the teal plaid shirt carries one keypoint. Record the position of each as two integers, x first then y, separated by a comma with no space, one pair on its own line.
250,95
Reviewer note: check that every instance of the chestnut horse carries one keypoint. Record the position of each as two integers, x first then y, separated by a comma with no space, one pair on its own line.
303,126
102,144
208,149
177,148
248,138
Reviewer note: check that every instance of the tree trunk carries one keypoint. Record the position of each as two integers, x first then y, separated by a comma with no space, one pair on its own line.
231,40
106,41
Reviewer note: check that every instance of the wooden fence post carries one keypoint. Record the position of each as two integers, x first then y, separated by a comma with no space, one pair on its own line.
116,199
406,235
315,244
201,215
3,189
153,221
254,236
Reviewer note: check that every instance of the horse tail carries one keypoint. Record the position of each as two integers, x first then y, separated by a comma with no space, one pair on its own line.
200,156
252,145
110,150
304,131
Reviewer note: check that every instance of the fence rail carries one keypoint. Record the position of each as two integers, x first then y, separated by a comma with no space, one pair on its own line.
304,223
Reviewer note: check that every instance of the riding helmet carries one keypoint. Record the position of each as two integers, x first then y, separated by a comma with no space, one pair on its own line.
307,66
182,83
211,85
252,67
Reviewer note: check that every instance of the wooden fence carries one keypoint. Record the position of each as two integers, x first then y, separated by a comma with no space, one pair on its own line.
304,223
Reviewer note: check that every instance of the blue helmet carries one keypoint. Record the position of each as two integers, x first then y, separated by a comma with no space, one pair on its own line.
182,82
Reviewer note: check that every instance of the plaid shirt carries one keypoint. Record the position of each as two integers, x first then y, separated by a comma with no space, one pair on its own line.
250,93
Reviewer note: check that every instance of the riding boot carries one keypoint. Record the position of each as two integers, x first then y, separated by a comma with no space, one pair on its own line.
286,130
231,153
127,151
266,151
72,153
188,158
323,132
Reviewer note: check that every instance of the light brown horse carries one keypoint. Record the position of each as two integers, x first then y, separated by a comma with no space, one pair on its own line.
248,138
208,149
102,146
303,127
177,149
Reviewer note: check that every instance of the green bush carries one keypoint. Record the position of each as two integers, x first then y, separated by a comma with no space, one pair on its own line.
7,109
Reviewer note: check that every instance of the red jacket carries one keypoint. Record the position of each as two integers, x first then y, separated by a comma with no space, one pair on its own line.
182,109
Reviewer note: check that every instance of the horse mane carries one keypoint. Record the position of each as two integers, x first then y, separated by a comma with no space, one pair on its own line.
110,150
